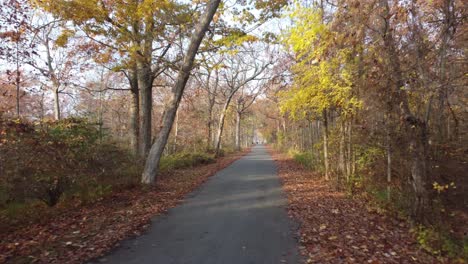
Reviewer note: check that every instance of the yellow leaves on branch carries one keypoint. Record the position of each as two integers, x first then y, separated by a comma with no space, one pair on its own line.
235,38
78,11
307,30
119,13
323,73
63,38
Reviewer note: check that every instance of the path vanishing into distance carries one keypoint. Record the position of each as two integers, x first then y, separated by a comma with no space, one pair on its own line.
238,216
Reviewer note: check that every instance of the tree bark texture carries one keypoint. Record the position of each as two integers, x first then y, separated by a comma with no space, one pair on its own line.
145,84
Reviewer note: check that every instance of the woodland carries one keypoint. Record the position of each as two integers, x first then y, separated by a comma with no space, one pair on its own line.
109,105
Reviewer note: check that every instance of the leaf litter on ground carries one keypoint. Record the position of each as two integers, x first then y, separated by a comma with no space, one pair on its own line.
337,228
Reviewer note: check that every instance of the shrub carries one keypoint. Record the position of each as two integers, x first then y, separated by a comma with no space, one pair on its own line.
44,161
308,159
185,160
438,242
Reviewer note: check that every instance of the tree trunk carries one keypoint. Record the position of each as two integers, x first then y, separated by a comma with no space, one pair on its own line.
56,104
389,162
456,123
134,113
176,132
209,137
342,150
42,107
209,125
416,130
350,151
145,84
100,119
442,92
238,129
219,134
325,144
17,83
278,131
154,156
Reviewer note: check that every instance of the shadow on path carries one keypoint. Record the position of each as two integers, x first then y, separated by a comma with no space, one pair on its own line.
238,216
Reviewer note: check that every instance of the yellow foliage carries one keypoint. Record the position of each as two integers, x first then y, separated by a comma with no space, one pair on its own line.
323,74
63,38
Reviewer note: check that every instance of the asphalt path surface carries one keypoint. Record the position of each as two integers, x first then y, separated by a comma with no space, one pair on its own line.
237,217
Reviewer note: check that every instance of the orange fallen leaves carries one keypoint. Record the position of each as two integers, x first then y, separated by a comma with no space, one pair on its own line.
335,228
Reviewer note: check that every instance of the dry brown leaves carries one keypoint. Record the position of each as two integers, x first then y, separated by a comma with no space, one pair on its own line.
86,232
335,228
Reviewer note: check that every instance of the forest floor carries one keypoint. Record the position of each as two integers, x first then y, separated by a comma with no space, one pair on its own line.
337,228
80,233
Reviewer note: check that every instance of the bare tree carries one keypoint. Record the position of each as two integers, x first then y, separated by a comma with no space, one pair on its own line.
208,79
243,67
55,61
245,99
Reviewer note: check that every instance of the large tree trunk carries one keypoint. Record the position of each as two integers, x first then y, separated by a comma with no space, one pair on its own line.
145,84
154,156
238,129
418,152
134,113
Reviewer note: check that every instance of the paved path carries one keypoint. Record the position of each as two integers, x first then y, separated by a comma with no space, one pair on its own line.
238,216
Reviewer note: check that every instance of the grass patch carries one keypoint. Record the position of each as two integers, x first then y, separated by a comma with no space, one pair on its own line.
185,160
308,159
